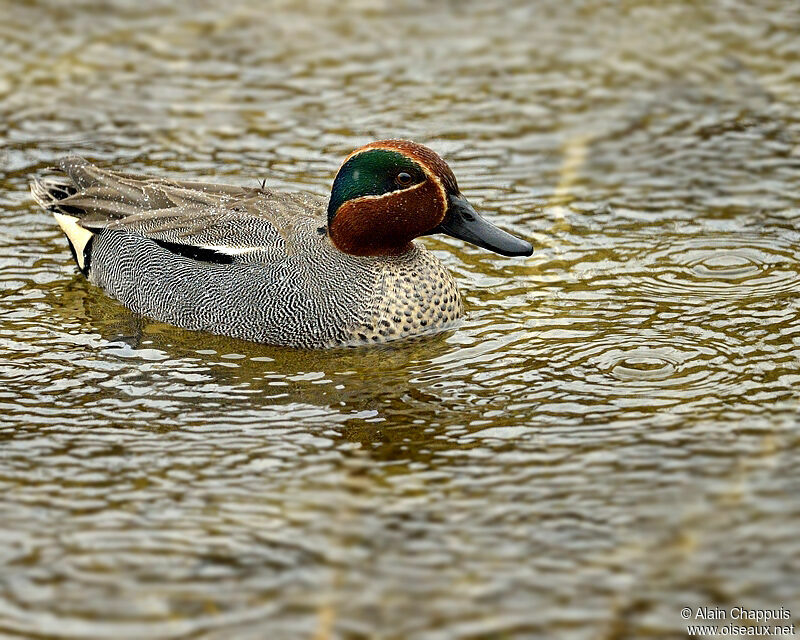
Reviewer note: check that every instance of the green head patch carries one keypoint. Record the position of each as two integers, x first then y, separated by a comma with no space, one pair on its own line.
373,173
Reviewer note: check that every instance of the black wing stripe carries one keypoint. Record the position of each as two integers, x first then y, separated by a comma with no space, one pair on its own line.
202,254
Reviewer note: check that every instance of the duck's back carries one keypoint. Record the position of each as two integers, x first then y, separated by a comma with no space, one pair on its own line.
245,262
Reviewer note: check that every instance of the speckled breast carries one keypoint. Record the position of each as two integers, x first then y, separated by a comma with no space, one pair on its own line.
416,295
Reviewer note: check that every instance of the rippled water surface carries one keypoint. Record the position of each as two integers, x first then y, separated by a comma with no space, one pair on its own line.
611,434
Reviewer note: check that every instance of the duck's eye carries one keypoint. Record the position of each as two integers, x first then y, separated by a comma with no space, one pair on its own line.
403,179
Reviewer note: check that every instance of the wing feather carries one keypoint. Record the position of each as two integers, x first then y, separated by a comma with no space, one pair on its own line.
249,223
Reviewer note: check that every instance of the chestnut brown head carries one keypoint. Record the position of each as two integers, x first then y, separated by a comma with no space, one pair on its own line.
389,192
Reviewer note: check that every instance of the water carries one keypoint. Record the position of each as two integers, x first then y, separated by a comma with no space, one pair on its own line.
610,436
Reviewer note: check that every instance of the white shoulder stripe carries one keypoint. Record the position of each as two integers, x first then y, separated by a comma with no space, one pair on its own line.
231,251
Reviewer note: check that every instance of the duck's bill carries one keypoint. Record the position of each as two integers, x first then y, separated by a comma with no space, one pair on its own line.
464,223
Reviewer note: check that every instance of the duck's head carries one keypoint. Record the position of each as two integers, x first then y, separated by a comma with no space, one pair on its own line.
391,191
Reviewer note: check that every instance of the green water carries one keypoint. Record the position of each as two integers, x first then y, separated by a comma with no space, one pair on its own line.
610,436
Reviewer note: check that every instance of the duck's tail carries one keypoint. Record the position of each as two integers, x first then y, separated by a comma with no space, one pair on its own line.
48,192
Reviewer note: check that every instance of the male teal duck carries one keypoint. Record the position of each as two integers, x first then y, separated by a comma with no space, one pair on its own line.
279,268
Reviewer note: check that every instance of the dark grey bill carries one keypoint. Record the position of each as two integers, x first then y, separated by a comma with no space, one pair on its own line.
464,223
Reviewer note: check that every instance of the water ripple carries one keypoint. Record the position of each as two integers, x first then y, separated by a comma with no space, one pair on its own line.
729,266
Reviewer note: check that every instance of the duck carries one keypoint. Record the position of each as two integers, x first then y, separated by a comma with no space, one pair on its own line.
282,268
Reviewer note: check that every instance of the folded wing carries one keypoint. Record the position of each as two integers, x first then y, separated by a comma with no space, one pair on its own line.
220,223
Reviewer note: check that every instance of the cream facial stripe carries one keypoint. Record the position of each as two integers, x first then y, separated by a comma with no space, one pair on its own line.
378,196
422,164
419,161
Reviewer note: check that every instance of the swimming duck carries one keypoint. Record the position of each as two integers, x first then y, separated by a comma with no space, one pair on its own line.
279,268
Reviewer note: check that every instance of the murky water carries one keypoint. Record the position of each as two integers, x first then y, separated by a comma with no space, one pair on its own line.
610,436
